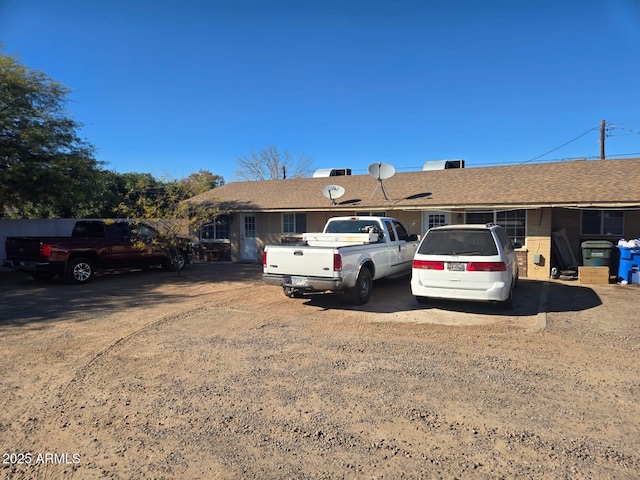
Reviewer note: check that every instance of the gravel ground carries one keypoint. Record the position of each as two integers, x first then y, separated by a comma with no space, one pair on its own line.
212,375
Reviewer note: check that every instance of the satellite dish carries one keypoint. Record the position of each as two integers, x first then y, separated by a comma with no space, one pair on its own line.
381,171
332,192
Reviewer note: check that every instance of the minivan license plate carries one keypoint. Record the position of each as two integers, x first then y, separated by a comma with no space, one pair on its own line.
455,266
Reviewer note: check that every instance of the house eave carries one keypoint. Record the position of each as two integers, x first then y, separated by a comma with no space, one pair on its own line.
441,207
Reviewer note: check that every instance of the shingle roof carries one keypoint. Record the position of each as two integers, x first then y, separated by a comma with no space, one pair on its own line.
578,183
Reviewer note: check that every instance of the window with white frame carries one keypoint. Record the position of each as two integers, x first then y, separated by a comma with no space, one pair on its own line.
371,214
602,222
217,231
513,221
436,220
294,222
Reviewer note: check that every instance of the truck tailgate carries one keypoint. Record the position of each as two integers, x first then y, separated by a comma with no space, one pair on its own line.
23,248
299,260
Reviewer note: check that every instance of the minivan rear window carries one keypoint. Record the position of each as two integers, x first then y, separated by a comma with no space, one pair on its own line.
459,242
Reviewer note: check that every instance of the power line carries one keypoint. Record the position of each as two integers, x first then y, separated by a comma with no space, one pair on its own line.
614,127
563,145
604,127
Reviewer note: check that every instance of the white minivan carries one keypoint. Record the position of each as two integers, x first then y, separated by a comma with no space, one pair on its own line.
465,262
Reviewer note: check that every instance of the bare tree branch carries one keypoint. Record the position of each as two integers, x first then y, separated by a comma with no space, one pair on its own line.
270,164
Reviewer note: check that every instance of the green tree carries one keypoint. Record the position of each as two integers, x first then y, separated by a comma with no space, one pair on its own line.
46,170
271,164
113,188
201,181
165,206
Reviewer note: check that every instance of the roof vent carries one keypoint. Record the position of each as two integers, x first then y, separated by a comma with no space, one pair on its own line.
331,172
443,164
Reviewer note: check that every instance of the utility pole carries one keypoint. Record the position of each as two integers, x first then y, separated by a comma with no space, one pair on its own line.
602,135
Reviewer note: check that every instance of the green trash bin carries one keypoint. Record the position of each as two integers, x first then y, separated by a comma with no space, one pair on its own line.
596,253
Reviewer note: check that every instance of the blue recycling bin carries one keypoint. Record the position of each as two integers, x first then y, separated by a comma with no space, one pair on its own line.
629,261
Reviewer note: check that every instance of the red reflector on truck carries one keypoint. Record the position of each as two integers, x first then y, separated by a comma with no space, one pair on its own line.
428,264
45,249
486,267
264,258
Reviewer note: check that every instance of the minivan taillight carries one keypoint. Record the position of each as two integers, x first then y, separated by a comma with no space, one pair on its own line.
337,262
428,264
45,250
486,267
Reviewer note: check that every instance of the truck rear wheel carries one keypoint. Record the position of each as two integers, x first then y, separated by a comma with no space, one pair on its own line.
80,270
292,292
361,292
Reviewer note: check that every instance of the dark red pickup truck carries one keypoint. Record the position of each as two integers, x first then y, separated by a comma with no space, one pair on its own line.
93,245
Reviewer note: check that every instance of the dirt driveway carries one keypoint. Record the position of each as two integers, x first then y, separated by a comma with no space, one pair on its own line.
212,374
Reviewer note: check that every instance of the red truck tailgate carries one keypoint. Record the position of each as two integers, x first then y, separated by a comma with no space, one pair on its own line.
23,248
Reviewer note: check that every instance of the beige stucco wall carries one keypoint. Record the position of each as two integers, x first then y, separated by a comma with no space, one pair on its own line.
269,227
538,241
234,238
412,220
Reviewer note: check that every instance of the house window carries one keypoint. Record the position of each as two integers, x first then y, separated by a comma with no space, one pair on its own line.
218,231
602,222
436,220
480,217
513,221
294,222
371,214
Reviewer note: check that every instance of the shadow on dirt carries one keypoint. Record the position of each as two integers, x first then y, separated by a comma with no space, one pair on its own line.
565,297
391,296
24,300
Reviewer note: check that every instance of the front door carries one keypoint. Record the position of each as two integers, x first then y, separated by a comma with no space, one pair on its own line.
248,240
435,218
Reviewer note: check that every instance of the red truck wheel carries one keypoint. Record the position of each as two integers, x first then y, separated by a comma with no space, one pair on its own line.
80,270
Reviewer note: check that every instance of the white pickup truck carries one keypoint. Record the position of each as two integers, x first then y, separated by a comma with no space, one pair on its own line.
346,257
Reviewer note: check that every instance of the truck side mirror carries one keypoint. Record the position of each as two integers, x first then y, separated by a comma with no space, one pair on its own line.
413,237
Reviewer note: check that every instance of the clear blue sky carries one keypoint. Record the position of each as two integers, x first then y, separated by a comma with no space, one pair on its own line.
172,87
